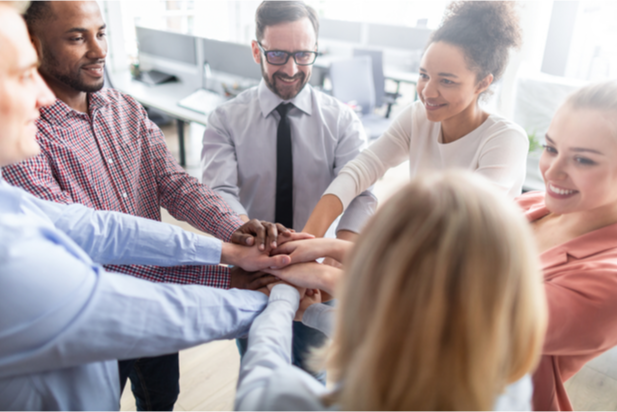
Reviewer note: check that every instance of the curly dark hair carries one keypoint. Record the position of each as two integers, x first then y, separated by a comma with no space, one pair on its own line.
38,11
485,31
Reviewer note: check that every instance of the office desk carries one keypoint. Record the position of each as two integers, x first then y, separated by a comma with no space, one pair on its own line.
163,97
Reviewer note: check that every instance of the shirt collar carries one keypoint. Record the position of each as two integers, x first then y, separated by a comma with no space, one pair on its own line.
268,101
581,247
60,110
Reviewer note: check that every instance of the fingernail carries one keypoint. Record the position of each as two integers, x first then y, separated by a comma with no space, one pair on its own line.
262,247
273,244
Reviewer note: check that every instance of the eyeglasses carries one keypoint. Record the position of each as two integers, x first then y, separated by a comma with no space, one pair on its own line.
281,57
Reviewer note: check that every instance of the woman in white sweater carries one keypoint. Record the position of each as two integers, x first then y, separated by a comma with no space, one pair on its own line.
425,321
446,128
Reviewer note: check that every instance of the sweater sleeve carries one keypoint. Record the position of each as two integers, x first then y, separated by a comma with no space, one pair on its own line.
390,150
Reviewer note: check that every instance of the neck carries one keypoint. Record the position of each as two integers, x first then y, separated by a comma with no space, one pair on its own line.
580,223
75,99
463,123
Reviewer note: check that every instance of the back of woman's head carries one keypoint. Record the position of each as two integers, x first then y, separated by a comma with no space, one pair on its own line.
484,30
442,304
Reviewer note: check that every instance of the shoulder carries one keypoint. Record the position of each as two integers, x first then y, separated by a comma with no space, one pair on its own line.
498,127
330,106
236,107
530,201
121,104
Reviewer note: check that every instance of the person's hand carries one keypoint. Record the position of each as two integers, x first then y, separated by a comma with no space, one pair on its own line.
310,275
308,300
241,279
331,262
259,232
251,258
291,235
306,250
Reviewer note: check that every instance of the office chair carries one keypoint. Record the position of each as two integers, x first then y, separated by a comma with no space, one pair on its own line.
352,81
381,96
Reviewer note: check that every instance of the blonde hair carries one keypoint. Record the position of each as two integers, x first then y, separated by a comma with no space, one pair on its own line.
442,304
598,96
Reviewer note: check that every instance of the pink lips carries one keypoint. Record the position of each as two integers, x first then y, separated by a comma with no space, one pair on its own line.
432,106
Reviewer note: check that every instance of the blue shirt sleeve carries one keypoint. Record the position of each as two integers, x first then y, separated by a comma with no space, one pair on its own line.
60,311
117,238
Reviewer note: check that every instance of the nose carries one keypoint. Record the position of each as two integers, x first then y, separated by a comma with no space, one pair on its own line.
290,68
44,96
430,90
97,49
554,167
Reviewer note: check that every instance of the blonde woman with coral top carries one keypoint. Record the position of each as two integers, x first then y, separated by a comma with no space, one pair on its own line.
425,321
575,223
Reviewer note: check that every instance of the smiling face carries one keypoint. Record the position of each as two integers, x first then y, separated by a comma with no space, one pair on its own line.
288,80
72,45
578,163
447,87
22,91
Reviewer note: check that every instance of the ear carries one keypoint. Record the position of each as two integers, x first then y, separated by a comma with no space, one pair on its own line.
484,83
256,52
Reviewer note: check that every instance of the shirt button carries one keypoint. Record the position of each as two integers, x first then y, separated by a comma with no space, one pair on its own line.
110,161
124,195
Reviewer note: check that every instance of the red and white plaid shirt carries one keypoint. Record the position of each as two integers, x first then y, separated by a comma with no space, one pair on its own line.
116,159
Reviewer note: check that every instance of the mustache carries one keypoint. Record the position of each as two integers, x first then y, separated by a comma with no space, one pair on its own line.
298,75
97,61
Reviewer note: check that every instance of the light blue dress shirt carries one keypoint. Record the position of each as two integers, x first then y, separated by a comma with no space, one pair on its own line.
238,159
64,321
269,382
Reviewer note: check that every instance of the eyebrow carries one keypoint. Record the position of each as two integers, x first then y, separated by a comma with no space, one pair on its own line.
576,149
442,74
83,30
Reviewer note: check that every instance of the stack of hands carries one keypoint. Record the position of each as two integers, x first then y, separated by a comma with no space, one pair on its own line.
265,254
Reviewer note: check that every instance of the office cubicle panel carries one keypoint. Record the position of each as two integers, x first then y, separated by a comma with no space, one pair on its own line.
340,30
172,46
232,58
398,37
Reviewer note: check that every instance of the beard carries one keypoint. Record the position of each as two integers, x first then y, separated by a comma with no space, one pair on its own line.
279,88
49,65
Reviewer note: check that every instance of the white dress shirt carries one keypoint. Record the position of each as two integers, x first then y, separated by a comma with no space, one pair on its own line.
64,320
238,159
269,382
497,149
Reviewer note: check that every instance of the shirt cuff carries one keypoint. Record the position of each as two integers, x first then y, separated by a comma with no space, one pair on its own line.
233,203
316,316
286,293
358,212
208,250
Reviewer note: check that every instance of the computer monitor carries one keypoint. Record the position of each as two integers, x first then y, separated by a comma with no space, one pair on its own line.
232,58
398,37
171,46
340,30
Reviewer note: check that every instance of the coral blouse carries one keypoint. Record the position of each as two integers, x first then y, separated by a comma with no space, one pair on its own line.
580,277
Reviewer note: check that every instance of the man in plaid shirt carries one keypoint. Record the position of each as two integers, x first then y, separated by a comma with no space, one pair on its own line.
99,148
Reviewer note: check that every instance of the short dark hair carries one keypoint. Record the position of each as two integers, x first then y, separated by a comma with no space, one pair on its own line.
38,11
485,31
270,13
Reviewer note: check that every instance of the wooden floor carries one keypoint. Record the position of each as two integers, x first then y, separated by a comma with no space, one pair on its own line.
208,373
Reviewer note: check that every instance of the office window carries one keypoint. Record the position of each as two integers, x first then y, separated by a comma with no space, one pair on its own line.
593,51
395,12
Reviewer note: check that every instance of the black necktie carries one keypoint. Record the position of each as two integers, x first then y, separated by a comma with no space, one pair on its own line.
284,170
